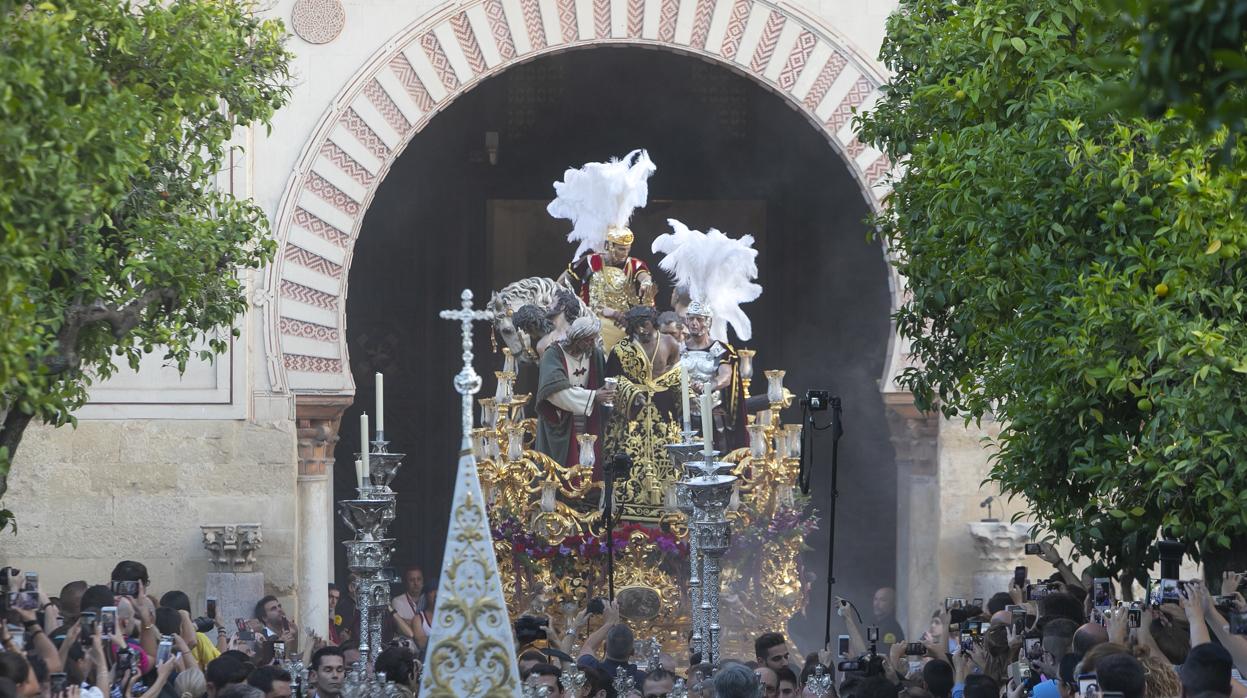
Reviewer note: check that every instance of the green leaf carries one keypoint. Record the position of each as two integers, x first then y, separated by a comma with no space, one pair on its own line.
1018,43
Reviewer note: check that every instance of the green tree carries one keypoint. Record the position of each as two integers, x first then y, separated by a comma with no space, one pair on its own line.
114,121
1189,57
1075,273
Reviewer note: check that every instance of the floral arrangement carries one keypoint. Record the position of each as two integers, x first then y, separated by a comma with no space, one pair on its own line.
528,548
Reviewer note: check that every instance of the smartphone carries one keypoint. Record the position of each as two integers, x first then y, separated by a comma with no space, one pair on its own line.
1033,647
1134,617
915,649
246,636
26,600
1169,591
977,603
952,602
1103,589
241,624
18,636
1019,576
1020,672
124,659
842,646
872,634
32,582
847,666
1033,549
86,621
164,650
58,683
126,588
1035,592
108,621
1238,623
212,609
1087,685
279,650
1017,616
975,627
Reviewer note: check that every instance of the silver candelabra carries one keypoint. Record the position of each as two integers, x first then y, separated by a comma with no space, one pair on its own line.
368,557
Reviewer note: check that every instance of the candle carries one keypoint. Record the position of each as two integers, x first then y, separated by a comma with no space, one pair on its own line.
380,404
684,399
363,442
359,472
707,423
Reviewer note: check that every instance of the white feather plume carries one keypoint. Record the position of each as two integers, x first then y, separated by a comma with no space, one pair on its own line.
600,195
717,270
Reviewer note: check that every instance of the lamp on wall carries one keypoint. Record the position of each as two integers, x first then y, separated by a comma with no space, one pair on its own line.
491,146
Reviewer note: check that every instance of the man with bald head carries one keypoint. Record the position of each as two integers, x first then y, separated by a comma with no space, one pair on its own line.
884,607
768,681
1089,635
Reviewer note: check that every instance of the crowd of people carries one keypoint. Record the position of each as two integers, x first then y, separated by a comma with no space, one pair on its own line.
1064,637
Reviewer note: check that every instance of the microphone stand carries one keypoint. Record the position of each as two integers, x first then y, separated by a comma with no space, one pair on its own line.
803,480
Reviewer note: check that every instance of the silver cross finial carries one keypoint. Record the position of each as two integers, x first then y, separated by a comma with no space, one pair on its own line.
467,383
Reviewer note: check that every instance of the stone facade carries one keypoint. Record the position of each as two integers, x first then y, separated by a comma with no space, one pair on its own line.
141,473
139,489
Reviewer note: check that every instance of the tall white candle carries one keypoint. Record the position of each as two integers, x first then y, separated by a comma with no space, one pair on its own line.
707,423
684,399
363,442
380,403
359,472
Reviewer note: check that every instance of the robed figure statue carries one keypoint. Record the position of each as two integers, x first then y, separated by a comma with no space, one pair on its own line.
570,393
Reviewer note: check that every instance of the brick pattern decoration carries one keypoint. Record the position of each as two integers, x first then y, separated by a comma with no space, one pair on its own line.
319,228
499,29
532,22
736,28
335,154
467,43
766,43
384,104
437,58
401,67
636,18
311,364
307,295
797,58
668,11
308,330
326,190
831,70
844,111
506,38
313,261
602,19
702,17
356,126
567,20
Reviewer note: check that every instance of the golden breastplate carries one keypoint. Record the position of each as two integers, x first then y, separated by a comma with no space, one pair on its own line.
610,288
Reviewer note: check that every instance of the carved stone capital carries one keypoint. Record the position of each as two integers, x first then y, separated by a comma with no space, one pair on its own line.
318,418
232,547
1000,545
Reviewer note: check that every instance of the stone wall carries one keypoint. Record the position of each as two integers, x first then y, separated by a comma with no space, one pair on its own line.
86,498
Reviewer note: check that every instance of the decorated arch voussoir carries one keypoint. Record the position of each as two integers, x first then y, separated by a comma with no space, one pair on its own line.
429,64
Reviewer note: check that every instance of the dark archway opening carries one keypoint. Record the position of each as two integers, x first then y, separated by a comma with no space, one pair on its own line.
730,155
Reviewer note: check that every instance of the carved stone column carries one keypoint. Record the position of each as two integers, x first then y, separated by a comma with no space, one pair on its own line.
233,583
317,417
1001,547
915,440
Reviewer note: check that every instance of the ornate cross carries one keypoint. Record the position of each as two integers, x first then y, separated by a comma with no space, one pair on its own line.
467,383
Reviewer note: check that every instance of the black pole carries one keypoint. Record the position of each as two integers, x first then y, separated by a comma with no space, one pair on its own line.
836,432
609,496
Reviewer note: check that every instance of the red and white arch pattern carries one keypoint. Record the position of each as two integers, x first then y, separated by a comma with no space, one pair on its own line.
432,62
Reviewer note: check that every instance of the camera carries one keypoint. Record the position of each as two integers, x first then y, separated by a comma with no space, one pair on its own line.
529,629
872,634
816,400
203,624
